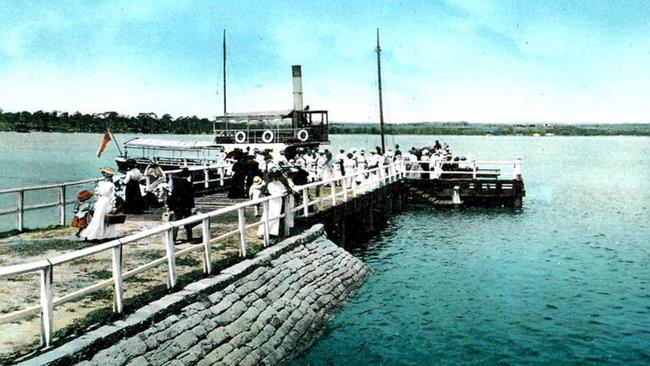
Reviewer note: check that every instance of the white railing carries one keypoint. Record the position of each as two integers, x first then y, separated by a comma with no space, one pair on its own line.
341,190
21,207
61,189
347,186
474,169
223,172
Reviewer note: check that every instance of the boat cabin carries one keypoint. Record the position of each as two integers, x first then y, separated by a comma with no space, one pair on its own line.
290,127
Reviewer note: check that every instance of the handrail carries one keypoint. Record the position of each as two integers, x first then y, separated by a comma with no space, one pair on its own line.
45,267
435,167
349,186
20,207
49,186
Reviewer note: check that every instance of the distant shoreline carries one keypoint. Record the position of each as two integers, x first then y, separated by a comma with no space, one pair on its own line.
150,123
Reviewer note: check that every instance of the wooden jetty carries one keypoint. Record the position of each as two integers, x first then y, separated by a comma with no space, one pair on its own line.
351,207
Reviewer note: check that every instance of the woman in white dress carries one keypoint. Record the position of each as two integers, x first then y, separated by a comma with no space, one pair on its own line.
275,187
105,194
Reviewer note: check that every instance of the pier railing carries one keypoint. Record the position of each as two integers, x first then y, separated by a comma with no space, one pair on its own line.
63,188
334,191
340,190
468,169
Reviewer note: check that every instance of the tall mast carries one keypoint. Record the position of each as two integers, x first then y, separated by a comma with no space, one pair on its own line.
381,104
224,77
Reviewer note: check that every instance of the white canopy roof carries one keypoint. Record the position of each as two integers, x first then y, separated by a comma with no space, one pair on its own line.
169,144
256,116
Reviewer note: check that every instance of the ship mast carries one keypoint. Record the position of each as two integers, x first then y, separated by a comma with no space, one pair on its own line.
381,104
224,78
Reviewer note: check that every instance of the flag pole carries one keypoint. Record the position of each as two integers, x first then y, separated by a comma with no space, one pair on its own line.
115,141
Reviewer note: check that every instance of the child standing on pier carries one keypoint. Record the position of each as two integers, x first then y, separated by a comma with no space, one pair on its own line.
82,209
255,192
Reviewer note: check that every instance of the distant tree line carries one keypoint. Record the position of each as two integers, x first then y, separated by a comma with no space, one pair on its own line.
98,122
465,128
152,123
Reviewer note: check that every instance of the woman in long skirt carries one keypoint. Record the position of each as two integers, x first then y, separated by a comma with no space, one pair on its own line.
275,187
133,195
105,193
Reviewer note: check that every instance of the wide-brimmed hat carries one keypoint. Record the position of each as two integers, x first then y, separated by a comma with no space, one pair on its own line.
84,195
257,180
107,170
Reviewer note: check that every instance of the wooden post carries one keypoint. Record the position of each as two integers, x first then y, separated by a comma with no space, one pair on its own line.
345,190
171,259
118,295
287,215
206,179
242,230
170,180
62,205
265,206
20,210
333,193
354,186
305,202
47,309
205,234
221,177
474,169
516,169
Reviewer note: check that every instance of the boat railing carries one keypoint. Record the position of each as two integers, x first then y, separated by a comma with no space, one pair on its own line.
62,189
341,189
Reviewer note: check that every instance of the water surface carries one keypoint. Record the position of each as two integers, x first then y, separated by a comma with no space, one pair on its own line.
564,281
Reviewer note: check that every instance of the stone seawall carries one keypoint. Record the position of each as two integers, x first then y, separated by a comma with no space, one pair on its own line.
262,311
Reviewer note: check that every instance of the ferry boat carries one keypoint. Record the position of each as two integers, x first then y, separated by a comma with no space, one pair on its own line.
276,131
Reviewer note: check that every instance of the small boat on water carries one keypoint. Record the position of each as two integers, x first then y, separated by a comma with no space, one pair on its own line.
278,131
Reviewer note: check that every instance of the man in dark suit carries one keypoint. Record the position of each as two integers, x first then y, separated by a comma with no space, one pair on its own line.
181,200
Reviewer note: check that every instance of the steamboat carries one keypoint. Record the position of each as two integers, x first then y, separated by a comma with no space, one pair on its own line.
274,132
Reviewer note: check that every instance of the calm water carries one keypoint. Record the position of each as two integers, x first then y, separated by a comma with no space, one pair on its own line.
563,281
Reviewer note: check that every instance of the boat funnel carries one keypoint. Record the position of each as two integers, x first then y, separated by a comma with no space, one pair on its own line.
296,70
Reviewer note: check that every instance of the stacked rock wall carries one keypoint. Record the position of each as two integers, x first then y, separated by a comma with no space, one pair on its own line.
262,311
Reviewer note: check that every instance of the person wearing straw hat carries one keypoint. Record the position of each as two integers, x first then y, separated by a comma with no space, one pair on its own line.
255,192
98,229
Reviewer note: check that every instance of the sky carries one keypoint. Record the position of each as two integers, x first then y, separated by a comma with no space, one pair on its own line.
442,60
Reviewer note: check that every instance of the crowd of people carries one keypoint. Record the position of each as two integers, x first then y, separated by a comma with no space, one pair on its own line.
255,174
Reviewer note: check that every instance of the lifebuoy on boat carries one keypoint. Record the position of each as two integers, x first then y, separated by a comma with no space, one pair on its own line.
267,136
240,136
303,135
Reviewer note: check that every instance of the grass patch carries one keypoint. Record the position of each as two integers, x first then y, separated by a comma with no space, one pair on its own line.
187,261
102,274
24,247
151,255
103,294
